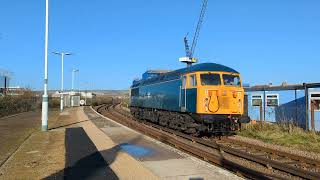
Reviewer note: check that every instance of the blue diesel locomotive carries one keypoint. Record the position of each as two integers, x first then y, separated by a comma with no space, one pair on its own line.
203,98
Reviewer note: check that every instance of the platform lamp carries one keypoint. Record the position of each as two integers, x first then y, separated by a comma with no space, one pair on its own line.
44,114
73,74
62,54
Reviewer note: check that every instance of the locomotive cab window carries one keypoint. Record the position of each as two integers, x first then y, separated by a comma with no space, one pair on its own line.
231,80
192,80
184,81
210,79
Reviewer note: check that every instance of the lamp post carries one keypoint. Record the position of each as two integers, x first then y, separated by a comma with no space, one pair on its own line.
62,54
44,114
73,74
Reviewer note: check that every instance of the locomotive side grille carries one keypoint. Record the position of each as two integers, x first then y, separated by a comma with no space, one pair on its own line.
225,102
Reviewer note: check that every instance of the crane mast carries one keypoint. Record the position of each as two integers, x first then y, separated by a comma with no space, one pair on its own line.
189,59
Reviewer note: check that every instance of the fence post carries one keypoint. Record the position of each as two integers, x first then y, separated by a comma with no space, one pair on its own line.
312,115
306,94
261,113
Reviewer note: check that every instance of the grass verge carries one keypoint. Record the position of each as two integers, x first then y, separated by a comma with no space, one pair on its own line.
283,134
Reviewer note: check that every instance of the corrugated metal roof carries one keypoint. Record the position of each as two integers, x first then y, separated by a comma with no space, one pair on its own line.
282,87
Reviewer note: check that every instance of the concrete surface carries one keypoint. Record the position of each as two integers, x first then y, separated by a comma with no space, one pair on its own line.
82,144
162,160
15,129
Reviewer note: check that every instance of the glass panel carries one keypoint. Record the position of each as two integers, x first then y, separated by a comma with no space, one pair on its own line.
193,81
184,81
231,80
210,79
256,102
316,104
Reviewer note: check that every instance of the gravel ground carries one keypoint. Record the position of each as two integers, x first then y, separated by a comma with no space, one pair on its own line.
291,150
278,147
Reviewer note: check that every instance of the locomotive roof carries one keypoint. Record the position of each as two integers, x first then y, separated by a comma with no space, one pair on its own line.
207,67
177,73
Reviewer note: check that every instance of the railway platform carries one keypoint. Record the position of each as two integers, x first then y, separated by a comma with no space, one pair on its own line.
162,160
82,144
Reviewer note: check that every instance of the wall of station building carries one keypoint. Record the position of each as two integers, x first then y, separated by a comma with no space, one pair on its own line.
287,109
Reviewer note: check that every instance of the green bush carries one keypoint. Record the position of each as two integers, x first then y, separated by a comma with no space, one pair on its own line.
54,102
22,101
98,100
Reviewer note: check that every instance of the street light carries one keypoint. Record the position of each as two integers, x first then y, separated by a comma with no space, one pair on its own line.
73,73
44,114
62,54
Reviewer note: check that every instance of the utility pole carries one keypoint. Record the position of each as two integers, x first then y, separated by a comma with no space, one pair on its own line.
62,54
44,115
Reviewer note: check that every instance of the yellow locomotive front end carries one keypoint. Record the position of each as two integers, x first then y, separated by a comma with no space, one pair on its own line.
220,93
219,100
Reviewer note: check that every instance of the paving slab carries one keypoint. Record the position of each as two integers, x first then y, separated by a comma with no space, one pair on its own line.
121,163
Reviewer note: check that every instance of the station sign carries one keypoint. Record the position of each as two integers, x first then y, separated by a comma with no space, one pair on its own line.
82,102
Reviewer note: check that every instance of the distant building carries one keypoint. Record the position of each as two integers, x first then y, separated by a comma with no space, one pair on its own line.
4,80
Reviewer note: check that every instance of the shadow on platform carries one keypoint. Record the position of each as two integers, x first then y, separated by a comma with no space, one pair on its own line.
83,160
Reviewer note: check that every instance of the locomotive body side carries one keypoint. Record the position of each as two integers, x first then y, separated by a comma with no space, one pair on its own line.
162,95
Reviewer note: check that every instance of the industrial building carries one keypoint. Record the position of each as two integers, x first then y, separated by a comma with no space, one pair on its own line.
296,104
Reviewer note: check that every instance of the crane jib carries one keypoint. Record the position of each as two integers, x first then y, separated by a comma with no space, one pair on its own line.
190,52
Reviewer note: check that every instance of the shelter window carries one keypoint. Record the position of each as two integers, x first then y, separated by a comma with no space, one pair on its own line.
231,80
210,79
315,101
256,100
193,80
316,104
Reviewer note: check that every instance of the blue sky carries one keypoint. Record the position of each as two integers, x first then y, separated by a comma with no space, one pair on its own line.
115,41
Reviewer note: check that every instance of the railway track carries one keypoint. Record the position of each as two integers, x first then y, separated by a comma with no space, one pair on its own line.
247,160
